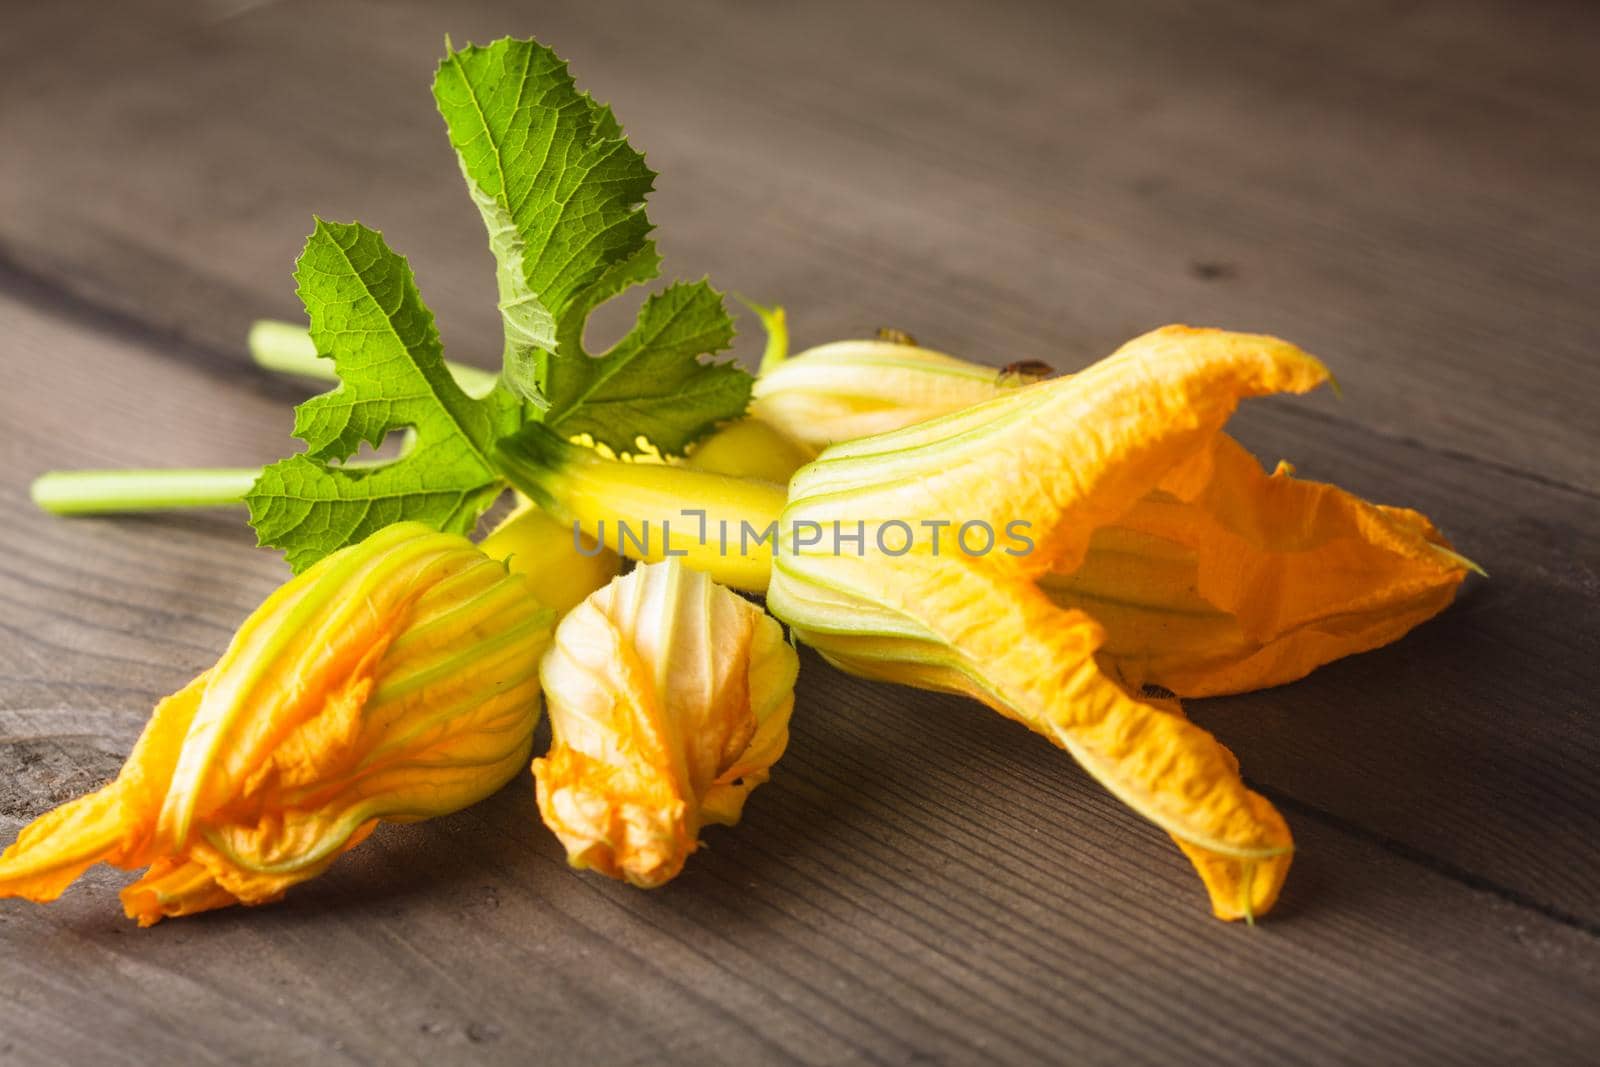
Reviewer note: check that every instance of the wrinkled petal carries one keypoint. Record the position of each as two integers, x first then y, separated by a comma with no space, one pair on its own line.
669,701
111,825
174,886
395,680
1228,579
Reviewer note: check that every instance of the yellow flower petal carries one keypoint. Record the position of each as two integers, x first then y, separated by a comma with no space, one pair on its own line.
669,701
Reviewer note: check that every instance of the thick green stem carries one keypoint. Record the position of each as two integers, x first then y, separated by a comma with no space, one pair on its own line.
286,348
98,492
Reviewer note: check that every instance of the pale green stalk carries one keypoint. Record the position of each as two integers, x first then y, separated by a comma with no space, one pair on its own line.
96,492
286,348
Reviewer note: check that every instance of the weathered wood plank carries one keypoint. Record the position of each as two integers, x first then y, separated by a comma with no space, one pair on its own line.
1394,186
1473,740
1403,188
866,911
920,878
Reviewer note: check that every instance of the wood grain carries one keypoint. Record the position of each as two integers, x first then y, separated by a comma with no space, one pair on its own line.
1390,184
1405,188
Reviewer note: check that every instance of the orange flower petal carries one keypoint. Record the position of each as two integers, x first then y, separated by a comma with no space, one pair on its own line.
1233,579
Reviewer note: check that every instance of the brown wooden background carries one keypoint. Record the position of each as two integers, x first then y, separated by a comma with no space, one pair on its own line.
1406,188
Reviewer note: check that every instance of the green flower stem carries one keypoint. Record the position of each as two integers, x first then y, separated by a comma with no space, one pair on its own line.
285,348
99,492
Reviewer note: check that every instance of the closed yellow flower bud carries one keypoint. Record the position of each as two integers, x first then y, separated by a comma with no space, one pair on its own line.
850,389
669,700
394,680
840,391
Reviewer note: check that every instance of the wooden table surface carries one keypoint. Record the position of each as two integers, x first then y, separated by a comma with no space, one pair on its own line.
1406,188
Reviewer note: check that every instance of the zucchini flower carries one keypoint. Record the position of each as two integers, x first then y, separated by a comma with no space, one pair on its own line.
844,390
1101,534
394,680
850,389
669,701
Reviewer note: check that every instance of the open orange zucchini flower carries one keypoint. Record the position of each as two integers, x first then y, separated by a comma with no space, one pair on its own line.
1158,552
396,680
669,702
1058,548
